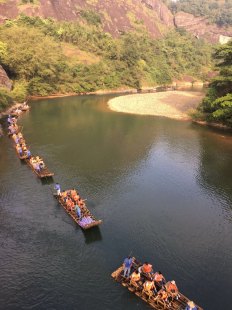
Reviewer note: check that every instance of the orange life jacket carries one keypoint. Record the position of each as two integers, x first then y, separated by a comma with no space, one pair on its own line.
172,288
147,268
158,277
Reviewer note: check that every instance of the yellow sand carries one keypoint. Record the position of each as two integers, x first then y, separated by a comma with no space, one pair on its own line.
172,104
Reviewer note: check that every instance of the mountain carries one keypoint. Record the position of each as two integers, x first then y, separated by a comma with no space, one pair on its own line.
116,16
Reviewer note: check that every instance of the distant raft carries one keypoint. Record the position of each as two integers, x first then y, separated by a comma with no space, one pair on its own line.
86,220
153,300
38,167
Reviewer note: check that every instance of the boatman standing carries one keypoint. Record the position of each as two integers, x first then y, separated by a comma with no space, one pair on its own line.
127,266
57,188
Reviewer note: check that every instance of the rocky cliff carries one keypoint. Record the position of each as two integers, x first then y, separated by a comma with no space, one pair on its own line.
117,16
4,80
202,28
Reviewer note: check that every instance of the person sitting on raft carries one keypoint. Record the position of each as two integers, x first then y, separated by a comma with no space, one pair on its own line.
127,266
41,164
172,289
81,202
135,277
76,197
149,287
159,279
70,204
191,306
28,154
73,193
57,188
163,296
146,268
19,149
37,167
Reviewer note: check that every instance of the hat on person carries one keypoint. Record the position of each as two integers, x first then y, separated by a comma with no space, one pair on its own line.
173,282
191,304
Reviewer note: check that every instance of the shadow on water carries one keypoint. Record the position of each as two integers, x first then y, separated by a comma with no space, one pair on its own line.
92,235
47,181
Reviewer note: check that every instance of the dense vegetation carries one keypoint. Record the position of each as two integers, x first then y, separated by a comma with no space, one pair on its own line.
217,105
32,53
217,11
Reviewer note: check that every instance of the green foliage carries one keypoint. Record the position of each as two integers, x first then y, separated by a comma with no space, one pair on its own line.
218,102
5,99
3,50
91,17
34,56
219,12
19,92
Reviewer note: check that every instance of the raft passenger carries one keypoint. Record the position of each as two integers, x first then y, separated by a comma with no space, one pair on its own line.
146,268
135,277
172,289
149,287
57,188
127,266
191,306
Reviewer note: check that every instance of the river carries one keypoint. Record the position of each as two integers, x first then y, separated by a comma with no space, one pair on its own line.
162,188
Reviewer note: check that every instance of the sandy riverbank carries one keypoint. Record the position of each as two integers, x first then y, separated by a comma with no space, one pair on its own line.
172,104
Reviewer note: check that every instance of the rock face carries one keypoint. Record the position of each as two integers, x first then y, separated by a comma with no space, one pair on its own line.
4,80
117,16
201,28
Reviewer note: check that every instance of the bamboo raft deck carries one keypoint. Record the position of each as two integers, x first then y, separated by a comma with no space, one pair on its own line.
43,173
84,210
154,301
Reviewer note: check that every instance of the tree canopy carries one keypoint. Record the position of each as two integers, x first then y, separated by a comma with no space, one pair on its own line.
217,105
32,53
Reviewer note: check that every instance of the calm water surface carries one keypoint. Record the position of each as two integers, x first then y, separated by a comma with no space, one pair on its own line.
162,188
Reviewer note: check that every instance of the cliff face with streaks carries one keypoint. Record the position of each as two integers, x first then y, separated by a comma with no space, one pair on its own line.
117,16
200,27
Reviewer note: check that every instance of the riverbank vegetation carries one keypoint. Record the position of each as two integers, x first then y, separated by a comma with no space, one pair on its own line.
217,105
33,53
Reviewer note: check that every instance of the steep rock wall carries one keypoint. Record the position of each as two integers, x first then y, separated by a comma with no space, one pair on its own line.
200,27
4,80
117,16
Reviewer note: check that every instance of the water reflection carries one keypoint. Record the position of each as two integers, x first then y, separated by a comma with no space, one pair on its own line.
215,170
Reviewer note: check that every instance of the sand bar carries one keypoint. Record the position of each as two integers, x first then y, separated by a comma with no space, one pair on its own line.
172,104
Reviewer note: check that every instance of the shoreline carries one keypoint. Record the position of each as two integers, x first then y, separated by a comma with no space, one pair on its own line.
171,104
132,92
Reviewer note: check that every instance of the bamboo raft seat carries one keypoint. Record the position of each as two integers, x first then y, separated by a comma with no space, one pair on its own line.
86,221
153,299
43,172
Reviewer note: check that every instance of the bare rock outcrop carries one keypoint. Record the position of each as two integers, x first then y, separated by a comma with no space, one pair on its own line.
202,28
117,16
4,79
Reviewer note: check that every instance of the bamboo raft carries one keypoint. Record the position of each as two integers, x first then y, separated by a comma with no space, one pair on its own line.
43,173
153,301
84,211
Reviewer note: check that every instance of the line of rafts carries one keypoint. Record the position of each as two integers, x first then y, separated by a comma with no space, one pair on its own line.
70,199
75,206
36,163
153,288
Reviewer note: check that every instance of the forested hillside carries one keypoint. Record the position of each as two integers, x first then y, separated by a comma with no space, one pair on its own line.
43,56
217,105
217,11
